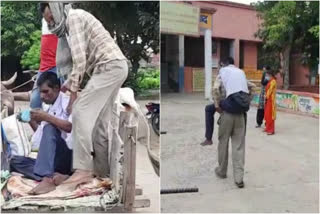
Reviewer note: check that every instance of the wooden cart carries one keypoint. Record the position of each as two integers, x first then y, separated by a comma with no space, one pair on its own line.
122,173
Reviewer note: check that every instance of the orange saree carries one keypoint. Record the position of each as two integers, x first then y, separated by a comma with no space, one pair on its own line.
270,106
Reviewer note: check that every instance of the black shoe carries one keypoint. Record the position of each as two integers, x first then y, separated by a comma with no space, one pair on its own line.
258,126
218,174
240,185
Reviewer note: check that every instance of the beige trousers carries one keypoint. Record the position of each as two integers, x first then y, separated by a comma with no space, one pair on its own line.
91,113
232,126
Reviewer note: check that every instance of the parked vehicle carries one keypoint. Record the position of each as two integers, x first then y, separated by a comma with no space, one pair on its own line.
154,116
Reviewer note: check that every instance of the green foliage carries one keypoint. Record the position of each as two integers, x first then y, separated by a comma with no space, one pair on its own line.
290,26
277,29
31,58
149,78
289,23
134,25
267,57
144,79
315,31
18,21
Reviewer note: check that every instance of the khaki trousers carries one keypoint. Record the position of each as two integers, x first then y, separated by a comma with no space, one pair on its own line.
90,116
232,126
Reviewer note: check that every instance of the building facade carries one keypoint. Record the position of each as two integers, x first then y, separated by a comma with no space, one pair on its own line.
231,28
189,61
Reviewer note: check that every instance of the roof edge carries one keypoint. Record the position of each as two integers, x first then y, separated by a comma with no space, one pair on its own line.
231,4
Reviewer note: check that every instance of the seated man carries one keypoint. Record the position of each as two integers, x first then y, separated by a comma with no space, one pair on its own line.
52,129
209,115
209,122
48,51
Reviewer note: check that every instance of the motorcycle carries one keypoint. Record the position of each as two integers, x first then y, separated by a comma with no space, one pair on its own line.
154,116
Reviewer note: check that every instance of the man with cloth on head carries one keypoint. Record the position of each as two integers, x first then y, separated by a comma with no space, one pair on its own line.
94,53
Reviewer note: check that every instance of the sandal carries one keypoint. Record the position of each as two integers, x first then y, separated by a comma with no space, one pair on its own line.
240,185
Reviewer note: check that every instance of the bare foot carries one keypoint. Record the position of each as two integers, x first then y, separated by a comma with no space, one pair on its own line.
45,186
59,178
78,177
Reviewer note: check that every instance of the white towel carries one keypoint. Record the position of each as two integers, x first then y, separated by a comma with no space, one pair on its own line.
44,28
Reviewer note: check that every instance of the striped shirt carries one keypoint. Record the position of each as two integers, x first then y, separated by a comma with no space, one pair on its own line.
90,44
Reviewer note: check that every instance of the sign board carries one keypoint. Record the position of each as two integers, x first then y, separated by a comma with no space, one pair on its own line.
179,18
205,20
198,79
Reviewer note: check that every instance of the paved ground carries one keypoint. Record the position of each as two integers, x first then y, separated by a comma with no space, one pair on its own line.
142,133
146,177
281,172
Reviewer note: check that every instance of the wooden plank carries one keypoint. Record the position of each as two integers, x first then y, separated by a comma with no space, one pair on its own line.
37,209
141,202
115,162
129,136
130,169
138,191
124,117
132,178
28,208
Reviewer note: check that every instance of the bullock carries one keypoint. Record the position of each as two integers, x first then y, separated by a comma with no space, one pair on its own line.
7,98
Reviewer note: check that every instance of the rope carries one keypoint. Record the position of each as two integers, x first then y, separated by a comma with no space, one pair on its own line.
112,199
31,80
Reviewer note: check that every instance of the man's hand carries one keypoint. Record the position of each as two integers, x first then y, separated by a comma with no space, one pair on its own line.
38,115
219,110
73,97
65,87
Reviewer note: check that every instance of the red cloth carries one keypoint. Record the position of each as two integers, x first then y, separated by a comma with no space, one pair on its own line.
269,126
270,108
48,52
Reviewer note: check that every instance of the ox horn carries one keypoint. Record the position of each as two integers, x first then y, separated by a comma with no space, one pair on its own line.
10,81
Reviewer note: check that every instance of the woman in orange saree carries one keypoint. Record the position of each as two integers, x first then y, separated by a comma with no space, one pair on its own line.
270,104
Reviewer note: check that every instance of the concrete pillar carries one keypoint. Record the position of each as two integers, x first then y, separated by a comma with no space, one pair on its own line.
236,49
181,63
208,62
219,50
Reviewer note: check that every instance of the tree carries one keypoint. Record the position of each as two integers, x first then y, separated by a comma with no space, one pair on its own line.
308,42
277,31
18,21
134,25
288,26
31,58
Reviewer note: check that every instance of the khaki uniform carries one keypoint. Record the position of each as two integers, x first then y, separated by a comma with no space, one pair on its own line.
231,126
